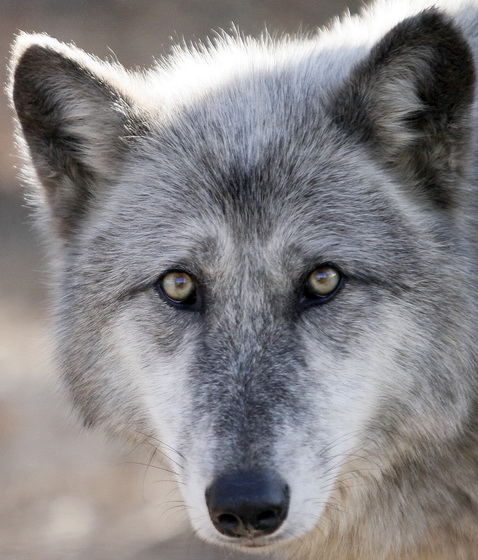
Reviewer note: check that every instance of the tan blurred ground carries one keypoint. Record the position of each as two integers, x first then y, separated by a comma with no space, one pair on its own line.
66,494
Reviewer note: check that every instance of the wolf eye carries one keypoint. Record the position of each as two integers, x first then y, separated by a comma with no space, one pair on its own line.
321,285
177,287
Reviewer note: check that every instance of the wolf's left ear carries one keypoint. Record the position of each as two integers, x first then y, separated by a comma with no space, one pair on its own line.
410,102
76,123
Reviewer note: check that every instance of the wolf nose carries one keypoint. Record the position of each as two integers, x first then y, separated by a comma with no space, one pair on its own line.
246,504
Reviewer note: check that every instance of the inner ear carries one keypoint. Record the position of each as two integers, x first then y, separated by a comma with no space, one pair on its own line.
410,102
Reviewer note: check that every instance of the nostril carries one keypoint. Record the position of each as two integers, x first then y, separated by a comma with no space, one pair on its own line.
267,520
248,503
229,524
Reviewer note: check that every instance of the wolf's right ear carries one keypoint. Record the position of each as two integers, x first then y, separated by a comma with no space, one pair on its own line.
410,102
75,123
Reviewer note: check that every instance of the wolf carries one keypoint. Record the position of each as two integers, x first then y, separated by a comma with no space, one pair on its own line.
265,262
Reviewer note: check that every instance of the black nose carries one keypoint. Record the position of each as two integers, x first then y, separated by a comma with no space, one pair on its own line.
246,504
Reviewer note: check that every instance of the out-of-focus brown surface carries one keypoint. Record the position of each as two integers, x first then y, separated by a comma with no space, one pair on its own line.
65,493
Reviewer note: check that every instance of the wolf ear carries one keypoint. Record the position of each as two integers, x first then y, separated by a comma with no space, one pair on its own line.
410,102
74,123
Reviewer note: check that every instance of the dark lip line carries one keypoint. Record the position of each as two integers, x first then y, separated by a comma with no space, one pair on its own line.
251,543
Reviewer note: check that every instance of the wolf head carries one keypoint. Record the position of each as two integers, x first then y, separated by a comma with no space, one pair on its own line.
262,260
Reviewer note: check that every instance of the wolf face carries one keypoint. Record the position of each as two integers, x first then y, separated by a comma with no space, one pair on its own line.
269,270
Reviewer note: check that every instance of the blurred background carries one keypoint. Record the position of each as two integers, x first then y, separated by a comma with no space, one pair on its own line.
66,493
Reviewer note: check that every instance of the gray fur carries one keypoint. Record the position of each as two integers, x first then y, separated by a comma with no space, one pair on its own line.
249,164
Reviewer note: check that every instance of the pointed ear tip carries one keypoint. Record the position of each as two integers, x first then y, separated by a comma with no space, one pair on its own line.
34,47
434,14
437,23
447,32
28,49
24,42
433,37
35,54
432,17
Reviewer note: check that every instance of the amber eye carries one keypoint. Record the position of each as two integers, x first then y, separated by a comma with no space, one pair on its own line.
178,287
322,283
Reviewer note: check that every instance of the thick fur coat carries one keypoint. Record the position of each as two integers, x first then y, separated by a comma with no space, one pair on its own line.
265,256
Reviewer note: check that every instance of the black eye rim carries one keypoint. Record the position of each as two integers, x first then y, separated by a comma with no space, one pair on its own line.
192,303
309,299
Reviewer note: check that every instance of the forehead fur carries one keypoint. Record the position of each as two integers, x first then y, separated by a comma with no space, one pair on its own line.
216,211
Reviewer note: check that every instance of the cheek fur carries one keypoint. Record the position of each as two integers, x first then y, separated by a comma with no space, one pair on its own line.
162,370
